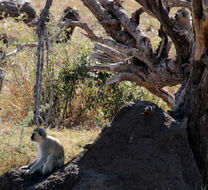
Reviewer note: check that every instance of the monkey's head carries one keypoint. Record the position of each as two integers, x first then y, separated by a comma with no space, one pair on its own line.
38,135
182,15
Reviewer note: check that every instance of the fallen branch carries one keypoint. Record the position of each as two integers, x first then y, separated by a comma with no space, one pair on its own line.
19,48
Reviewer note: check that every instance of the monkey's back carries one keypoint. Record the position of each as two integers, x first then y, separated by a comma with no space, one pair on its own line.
54,146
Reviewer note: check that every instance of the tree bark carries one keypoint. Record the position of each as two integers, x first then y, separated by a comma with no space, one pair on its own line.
193,107
194,114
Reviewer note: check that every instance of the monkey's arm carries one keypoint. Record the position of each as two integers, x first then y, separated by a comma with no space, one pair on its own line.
30,165
40,160
37,165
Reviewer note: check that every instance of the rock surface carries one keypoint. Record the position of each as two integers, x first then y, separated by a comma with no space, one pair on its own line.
13,9
142,149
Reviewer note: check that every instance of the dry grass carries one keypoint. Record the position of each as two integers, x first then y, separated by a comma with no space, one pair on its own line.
16,97
17,150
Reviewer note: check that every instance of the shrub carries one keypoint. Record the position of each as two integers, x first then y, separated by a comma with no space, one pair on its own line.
81,98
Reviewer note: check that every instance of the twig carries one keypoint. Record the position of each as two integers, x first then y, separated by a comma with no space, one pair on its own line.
19,48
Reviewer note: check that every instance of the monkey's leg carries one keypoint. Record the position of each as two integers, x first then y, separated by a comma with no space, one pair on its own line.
50,164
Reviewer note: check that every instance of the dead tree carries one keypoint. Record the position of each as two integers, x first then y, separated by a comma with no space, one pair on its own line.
41,33
129,54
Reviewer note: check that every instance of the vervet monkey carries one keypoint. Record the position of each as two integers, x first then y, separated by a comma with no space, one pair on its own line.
182,20
51,153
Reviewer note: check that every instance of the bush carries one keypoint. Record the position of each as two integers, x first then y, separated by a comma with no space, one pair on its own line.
81,98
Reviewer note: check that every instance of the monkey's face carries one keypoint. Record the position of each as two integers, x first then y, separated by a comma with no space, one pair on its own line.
182,15
36,137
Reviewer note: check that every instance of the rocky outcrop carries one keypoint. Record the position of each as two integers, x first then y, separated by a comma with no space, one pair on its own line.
12,9
142,149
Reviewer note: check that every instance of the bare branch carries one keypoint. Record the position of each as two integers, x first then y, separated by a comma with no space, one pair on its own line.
135,17
126,76
160,11
160,78
179,3
114,67
103,51
164,45
19,48
40,30
118,46
142,42
108,22
164,95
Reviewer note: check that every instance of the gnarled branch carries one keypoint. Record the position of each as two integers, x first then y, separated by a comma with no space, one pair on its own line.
118,46
151,70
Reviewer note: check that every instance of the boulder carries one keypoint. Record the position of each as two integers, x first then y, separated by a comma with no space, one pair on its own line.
13,9
143,148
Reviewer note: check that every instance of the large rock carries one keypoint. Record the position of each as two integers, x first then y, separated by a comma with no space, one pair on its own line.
142,149
15,9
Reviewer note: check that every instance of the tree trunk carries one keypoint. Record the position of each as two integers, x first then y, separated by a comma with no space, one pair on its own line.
193,106
195,113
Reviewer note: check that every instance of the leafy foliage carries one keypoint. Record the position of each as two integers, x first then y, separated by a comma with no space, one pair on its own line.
82,98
